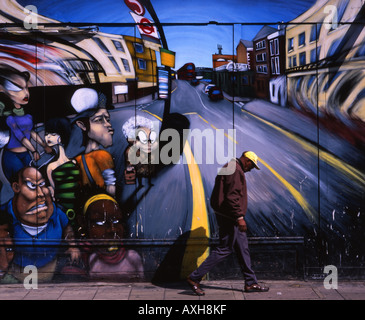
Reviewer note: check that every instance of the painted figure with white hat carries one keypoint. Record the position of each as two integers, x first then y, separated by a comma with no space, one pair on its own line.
96,164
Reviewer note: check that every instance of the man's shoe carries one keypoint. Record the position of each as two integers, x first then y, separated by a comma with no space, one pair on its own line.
256,288
195,286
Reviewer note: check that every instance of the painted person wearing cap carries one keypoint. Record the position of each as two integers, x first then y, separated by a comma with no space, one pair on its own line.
229,201
96,165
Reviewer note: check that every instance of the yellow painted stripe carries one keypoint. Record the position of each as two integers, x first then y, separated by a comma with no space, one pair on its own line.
214,127
156,116
310,212
200,217
335,162
230,138
203,118
197,249
342,166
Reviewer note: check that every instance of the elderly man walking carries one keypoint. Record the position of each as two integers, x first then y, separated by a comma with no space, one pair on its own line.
229,200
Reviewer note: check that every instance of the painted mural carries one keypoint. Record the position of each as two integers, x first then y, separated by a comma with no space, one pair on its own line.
116,117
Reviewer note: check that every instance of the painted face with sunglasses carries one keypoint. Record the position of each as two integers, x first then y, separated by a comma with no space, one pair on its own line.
16,88
14,85
146,140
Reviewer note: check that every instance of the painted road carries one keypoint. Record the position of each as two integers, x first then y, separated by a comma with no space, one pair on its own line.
298,187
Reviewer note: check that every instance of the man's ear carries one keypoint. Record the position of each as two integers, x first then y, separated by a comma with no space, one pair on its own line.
15,186
81,125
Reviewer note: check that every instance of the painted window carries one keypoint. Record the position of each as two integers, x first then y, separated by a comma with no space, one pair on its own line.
126,65
118,45
142,64
139,48
301,39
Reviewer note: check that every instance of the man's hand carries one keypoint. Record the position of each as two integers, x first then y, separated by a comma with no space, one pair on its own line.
242,226
36,156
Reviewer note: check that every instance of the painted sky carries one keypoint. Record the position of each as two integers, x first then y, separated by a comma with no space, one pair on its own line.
191,43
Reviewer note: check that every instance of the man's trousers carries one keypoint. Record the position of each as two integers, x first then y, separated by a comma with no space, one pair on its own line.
230,240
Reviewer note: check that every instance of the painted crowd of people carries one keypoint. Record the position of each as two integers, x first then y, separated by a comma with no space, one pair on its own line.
63,217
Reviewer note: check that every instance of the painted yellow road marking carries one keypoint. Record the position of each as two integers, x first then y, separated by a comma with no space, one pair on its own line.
202,118
197,249
213,126
310,212
332,160
152,114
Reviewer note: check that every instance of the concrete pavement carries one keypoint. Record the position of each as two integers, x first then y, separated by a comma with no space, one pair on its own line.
224,290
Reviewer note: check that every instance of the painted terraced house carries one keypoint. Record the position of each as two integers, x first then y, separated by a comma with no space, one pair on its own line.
261,62
326,59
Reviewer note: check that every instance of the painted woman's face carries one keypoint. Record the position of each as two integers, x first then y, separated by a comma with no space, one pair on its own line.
146,140
52,139
16,89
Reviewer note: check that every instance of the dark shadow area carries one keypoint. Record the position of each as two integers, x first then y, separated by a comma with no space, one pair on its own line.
168,274
178,122
169,270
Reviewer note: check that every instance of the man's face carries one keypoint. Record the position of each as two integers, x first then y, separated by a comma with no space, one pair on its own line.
101,129
250,165
32,202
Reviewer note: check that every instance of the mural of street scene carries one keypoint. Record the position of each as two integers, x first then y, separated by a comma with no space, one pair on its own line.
117,116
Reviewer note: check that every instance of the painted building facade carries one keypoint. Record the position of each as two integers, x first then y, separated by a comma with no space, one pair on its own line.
326,51
278,88
244,52
262,62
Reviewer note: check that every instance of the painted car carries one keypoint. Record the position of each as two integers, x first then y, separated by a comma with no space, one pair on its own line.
215,93
194,82
207,87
